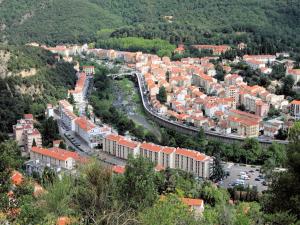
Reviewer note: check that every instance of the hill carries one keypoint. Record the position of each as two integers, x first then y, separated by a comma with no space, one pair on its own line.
29,94
208,21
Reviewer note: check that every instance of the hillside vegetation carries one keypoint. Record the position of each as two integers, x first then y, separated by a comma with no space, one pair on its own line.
20,95
209,21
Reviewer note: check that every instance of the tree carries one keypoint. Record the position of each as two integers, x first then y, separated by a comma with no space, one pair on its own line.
10,158
138,188
285,186
33,143
252,150
218,171
71,99
62,145
162,95
49,131
48,176
169,210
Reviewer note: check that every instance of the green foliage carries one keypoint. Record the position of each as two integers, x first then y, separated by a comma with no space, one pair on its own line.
168,211
10,158
283,194
49,130
31,94
162,95
139,183
157,46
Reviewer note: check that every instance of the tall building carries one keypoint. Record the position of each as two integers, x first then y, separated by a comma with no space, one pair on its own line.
25,134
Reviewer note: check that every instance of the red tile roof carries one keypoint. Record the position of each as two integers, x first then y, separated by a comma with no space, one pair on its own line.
28,116
118,169
151,147
191,154
192,201
128,143
17,178
84,124
58,153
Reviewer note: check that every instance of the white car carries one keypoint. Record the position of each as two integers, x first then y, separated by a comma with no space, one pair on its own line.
245,177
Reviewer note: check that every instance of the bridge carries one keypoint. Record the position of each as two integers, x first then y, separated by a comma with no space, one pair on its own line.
183,128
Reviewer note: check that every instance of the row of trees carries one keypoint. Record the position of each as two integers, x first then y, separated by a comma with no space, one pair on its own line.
134,44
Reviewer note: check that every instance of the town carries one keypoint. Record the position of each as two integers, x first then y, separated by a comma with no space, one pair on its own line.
183,92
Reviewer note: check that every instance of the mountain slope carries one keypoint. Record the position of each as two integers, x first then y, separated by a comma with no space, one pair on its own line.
56,21
30,94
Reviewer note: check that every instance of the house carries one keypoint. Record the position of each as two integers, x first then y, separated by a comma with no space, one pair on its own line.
195,205
88,70
295,109
79,93
88,131
295,73
55,158
25,134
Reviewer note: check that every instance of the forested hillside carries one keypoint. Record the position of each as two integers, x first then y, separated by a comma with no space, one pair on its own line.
210,21
30,94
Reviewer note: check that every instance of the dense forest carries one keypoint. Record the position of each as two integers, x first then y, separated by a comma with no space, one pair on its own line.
269,25
30,94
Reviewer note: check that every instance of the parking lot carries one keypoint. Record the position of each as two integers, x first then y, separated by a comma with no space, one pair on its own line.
255,178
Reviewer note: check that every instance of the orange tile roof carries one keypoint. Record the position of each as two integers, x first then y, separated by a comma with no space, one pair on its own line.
295,102
118,169
63,221
168,150
151,147
84,124
113,137
128,143
28,116
192,201
191,154
17,178
58,153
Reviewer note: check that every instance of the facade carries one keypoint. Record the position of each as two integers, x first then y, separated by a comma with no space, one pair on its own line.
88,131
67,116
54,158
25,133
163,157
295,109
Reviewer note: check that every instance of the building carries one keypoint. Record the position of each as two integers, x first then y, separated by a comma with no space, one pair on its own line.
55,158
193,162
79,93
295,109
67,116
88,131
295,73
25,134
88,70
195,205
49,111
163,157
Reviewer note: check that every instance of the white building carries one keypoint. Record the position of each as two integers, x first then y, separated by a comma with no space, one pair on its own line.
88,131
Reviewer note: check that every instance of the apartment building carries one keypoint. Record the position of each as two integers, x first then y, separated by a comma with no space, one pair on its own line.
295,109
88,131
193,162
187,160
25,134
79,93
67,116
55,158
